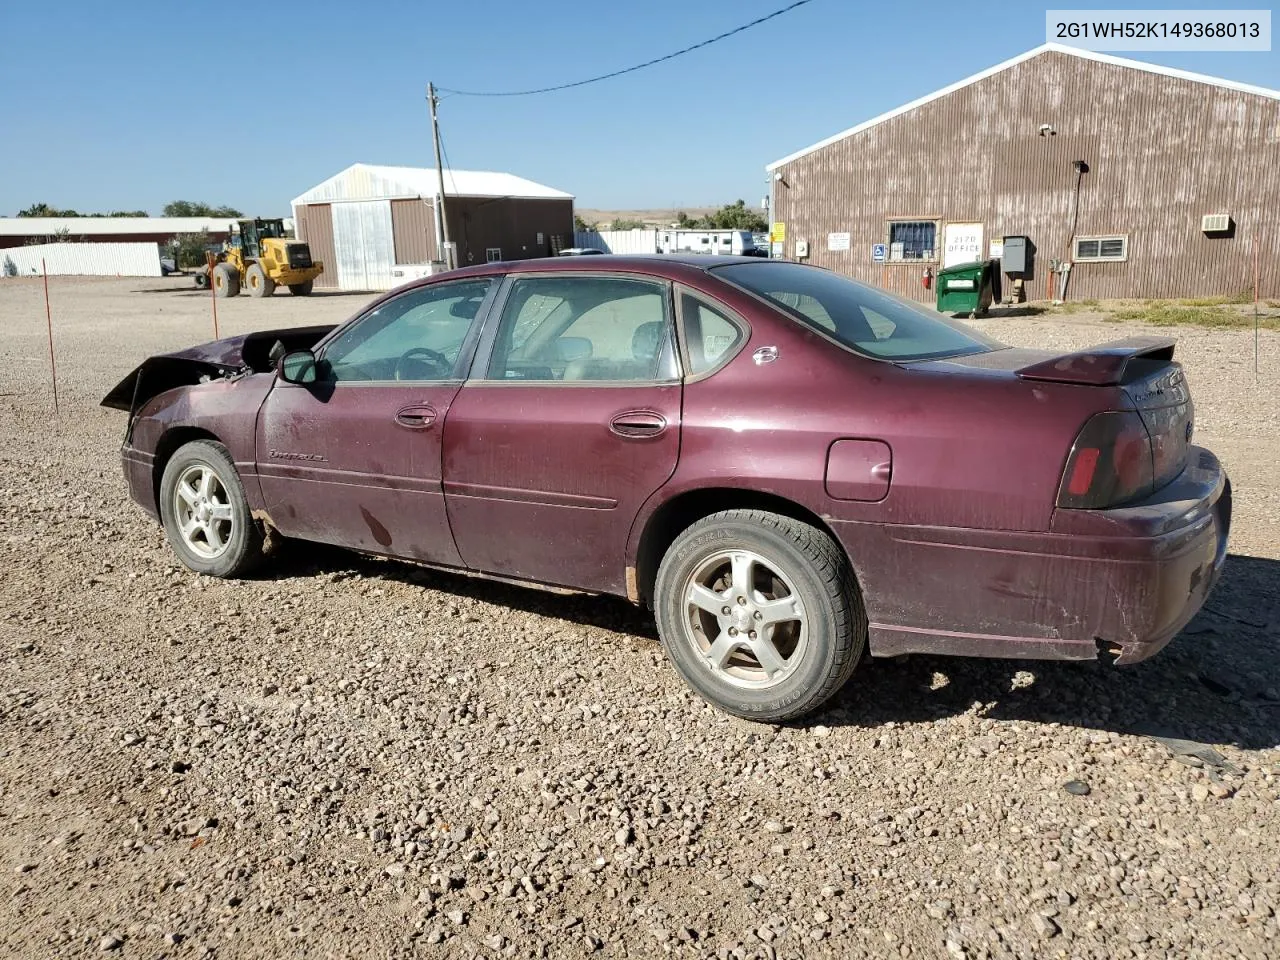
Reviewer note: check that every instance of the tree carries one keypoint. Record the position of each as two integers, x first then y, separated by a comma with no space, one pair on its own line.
58,236
623,223
189,249
731,216
44,210
189,208
581,225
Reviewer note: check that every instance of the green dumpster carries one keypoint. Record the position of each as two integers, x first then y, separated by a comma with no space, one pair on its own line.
965,288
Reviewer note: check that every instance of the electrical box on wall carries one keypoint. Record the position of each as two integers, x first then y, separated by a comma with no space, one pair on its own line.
1017,256
802,249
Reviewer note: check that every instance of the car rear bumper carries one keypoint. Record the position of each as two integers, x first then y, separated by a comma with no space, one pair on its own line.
1126,579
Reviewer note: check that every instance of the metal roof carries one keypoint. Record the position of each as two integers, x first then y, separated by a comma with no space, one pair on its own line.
365,181
990,71
88,226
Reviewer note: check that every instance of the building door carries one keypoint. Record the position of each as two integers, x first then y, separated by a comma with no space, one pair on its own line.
364,245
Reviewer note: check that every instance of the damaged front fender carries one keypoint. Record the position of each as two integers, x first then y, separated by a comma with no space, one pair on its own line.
247,353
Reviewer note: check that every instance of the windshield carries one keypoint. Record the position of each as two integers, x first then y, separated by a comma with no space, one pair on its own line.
859,316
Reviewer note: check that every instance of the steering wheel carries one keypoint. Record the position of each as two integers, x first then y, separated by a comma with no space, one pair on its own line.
440,363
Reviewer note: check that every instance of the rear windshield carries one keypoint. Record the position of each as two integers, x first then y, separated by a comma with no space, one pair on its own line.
859,316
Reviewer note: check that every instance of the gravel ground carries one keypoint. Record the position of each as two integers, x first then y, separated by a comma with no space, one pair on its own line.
349,757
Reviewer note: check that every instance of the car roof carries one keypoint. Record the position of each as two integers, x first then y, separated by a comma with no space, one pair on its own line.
687,267
658,264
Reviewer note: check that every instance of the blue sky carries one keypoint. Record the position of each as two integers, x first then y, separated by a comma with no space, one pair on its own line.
132,105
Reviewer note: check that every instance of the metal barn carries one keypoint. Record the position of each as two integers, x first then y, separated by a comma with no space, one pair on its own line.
376,227
1151,182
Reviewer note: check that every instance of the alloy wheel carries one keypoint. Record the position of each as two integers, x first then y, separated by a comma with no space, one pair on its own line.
744,619
203,511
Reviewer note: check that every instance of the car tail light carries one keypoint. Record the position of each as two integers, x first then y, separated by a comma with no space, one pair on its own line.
1110,463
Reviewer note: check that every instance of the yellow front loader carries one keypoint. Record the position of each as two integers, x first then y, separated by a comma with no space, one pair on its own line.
259,257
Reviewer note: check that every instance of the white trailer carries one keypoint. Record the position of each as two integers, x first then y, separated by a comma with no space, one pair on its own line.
738,243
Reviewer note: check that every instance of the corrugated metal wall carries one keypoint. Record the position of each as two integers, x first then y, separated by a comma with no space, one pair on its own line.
618,241
509,224
413,226
82,259
1162,152
315,225
363,244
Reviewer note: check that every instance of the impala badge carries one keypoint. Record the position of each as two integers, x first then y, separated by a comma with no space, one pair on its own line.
765,355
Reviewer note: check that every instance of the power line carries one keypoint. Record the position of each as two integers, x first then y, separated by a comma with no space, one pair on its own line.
448,164
638,66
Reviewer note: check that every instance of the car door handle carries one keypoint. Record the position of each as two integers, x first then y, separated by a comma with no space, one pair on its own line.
638,424
417,417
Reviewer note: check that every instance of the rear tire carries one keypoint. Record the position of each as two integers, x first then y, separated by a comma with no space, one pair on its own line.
795,627
259,284
301,289
202,279
226,280
205,514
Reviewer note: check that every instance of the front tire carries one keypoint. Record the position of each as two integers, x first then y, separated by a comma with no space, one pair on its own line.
206,516
260,285
760,614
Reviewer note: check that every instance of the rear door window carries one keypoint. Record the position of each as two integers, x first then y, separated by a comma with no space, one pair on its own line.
710,336
600,328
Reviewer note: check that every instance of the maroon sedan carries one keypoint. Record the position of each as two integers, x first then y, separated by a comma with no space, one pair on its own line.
789,467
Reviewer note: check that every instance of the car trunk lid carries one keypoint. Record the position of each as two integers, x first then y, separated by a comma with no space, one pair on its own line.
1140,369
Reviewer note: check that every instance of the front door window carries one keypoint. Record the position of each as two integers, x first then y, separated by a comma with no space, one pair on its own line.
415,337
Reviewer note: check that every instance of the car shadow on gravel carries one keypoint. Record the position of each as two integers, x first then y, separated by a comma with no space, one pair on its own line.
1217,682
606,613
1214,683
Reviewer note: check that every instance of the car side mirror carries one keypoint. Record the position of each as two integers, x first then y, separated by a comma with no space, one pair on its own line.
298,367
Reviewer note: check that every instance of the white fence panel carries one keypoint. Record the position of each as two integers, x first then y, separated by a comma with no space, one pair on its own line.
618,241
82,259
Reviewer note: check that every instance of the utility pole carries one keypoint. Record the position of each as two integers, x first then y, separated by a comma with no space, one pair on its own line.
443,234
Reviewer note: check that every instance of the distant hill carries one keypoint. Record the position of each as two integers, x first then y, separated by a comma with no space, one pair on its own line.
651,218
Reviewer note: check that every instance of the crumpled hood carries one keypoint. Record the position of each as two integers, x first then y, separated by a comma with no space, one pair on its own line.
246,352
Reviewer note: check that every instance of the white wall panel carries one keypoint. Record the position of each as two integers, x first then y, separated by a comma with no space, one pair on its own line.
82,259
618,241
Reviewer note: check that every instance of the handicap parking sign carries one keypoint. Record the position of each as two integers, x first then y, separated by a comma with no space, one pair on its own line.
878,252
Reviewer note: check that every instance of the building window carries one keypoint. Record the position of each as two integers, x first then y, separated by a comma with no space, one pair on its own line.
1102,248
493,254
912,239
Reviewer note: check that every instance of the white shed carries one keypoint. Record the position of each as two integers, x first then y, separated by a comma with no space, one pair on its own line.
376,227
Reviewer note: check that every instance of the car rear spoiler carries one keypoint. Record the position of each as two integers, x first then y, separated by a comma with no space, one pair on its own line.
1100,366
